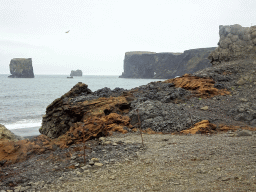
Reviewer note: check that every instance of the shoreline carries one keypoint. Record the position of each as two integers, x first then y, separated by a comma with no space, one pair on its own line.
177,162
26,132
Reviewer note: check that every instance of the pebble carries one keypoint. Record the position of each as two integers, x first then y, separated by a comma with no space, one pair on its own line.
241,82
243,99
225,179
243,133
102,139
85,167
148,161
91,162
77,165
98,164
107,143
95,159
73,157
205,108
114,144
230,135
112,177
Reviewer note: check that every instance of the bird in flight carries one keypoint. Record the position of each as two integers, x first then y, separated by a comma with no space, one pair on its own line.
67,31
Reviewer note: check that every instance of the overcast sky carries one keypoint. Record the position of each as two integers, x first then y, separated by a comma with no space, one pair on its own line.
101,31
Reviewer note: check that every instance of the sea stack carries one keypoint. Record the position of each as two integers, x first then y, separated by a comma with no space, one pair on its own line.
78,72
21,68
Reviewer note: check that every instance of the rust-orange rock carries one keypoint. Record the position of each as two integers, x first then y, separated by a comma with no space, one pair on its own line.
201,87
205,127
202,127
93,127
13,152
225,128
63,113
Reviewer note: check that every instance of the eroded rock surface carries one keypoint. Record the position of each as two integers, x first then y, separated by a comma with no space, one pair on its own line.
7,135
21,68
236,42
78,105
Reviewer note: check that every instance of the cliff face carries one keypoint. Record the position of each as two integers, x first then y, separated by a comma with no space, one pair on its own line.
236,42
76,73
165,65
21,68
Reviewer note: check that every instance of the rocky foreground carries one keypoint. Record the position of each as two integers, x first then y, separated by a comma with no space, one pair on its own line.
217,99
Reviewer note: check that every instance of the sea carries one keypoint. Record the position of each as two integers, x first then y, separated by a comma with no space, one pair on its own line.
23,101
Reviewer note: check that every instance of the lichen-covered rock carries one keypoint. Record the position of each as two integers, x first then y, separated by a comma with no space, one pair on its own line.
236,42
165,65
6,134
76,73
21,68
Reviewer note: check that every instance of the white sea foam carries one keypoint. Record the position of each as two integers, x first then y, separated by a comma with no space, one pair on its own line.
25,123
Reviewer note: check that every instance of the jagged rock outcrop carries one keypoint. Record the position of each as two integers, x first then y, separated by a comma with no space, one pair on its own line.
76,73
21,68
165,65
214,94
78,105
6,134
236,42
156,104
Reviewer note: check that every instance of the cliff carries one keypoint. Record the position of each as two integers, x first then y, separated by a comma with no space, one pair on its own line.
76,73
21,68
236,42
165,65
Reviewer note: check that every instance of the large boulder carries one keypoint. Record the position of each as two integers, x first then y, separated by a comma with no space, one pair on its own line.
80,106
76,73
21,68
60,114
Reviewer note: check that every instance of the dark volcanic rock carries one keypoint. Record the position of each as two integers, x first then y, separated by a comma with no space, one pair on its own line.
165,65
59,115
21,68
76,73
77,105
236,42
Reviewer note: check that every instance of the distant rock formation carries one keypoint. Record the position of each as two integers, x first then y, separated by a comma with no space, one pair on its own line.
76,73
21,68
236,42
165,65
